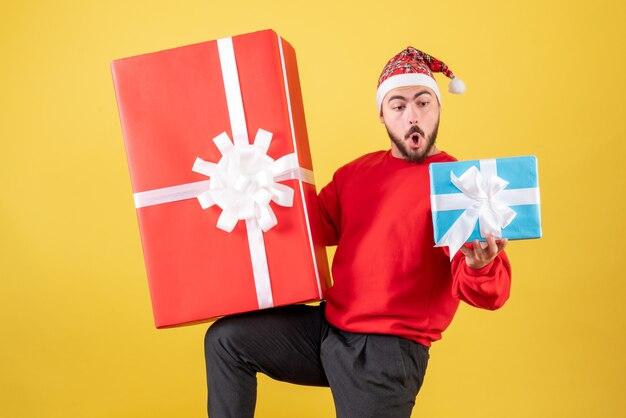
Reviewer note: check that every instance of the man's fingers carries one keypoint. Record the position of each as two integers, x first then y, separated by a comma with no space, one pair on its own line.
477,247
492,247
479,254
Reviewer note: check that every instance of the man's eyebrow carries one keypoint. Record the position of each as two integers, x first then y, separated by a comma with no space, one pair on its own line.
420,93
396,97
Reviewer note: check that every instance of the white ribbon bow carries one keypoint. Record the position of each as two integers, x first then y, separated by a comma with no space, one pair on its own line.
486,207
244,181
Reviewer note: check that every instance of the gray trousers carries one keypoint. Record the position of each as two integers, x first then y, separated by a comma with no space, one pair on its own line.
370,375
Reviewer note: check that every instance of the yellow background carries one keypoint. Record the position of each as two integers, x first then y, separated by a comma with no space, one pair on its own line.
543,78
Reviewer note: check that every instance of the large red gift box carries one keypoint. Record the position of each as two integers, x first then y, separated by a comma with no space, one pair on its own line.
222,177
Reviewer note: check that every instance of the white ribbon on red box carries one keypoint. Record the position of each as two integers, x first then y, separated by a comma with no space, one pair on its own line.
243,182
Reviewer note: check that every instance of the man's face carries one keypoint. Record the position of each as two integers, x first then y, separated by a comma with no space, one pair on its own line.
411,116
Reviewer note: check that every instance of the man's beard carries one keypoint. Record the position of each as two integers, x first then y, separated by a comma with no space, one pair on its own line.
415,155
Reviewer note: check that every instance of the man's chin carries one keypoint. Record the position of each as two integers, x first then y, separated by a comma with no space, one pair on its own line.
416,155
415,158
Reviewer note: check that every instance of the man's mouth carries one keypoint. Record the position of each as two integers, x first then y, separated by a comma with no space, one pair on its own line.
414,139
415,134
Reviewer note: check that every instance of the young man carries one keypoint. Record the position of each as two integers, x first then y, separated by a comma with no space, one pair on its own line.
393,293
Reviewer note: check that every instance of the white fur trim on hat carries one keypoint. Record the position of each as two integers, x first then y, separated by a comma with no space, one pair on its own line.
404,80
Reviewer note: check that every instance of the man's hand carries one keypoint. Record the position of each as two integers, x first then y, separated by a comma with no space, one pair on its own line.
479,254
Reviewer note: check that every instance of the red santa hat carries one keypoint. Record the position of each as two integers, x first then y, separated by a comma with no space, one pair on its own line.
413,67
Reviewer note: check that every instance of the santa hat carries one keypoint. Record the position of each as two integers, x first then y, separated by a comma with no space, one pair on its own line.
413,67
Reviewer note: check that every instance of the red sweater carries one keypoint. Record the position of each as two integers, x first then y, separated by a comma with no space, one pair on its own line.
388,276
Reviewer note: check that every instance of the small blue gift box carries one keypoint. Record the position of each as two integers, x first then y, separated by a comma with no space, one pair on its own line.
470,199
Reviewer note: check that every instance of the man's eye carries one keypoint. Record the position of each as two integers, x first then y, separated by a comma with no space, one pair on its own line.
398,107
423,104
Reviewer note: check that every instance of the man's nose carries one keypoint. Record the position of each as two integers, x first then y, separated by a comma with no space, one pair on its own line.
412,115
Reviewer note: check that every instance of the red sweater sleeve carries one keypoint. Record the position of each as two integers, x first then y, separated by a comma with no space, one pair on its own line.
487,288
330,213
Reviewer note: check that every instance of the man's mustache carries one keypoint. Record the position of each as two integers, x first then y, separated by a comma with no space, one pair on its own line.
414,130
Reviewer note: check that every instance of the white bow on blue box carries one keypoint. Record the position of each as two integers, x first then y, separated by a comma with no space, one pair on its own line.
470,199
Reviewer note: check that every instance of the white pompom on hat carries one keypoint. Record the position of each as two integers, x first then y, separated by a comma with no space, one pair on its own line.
412,67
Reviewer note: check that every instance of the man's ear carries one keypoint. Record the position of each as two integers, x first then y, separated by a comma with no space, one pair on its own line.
382,118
